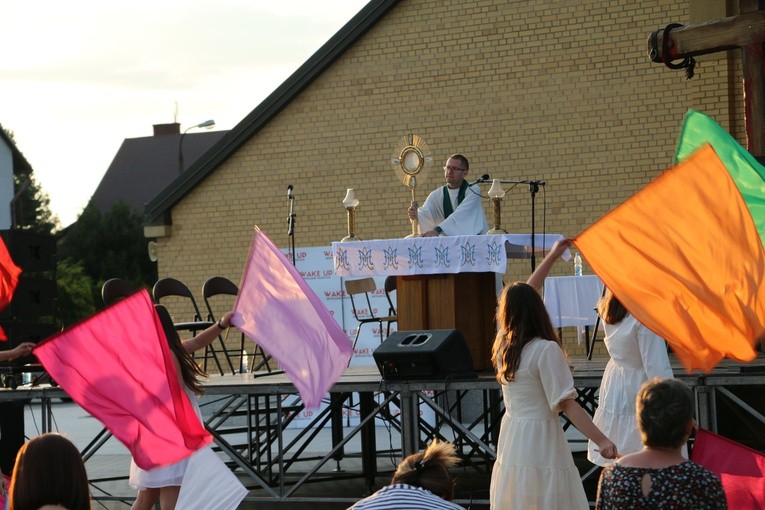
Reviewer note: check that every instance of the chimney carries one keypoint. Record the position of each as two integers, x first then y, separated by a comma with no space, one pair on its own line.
167,129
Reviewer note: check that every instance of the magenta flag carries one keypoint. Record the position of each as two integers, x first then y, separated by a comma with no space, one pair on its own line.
276,307
740,468
117,366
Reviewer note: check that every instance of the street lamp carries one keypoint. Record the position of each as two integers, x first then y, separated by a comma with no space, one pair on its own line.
206,124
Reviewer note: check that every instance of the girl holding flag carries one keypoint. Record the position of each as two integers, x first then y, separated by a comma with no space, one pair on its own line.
163,484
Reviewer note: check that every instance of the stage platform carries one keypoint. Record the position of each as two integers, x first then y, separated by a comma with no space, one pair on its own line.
289,457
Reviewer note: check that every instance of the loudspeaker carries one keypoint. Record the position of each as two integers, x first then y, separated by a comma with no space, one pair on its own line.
34,298
422,354
30,251
11,433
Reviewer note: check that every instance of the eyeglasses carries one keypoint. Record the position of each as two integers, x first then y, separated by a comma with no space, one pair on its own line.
454,169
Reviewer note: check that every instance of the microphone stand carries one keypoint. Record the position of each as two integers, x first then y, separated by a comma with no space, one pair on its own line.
533,189
291,225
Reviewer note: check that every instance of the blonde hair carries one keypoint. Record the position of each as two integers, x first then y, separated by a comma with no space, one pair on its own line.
429,469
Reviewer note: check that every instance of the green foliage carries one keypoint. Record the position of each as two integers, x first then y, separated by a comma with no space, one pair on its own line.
75,292
109,245
32,208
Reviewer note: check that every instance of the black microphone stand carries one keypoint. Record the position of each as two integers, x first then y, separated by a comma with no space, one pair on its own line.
291,224
533,189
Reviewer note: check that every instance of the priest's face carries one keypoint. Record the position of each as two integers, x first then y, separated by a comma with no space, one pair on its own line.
454,172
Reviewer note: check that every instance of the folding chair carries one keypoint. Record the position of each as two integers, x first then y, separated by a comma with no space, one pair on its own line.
219,286
390,288
172,288
366,286
115,289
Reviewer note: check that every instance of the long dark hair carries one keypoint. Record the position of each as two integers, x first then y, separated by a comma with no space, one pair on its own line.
610,309
430,469
49,471
521,317
191,373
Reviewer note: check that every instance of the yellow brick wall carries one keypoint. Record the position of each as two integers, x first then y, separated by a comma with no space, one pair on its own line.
561,91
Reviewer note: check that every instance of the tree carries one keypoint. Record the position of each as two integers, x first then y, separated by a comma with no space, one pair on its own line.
109,245
75,292
32,208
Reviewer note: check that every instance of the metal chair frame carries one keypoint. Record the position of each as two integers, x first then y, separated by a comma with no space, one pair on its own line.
219,285
366,286
171,287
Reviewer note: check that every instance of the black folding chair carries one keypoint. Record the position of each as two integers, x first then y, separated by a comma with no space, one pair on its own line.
220,286
172,288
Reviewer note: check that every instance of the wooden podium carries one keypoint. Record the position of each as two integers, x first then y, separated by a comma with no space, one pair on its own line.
464,301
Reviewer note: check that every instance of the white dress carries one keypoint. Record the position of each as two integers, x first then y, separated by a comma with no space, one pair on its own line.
467,219
637,354
165,476
534,467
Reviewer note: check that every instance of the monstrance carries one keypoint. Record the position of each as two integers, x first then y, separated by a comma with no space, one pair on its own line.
411,161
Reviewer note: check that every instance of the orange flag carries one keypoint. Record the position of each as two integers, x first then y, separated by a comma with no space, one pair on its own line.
684,257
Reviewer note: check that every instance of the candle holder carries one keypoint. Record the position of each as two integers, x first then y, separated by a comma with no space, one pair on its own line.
496,193
350,202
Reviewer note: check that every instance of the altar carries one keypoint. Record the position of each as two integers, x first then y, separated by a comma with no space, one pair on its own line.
448,282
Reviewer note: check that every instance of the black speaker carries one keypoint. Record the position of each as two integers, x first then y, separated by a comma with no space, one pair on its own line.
34,298
435,353
30,251
11,433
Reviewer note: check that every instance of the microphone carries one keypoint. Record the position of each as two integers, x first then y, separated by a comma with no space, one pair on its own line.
483,178
289,191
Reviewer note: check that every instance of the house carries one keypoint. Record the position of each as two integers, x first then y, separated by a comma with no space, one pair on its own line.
144,166
12,162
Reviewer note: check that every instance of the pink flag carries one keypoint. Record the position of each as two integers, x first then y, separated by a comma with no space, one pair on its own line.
117,366
740,469
278,308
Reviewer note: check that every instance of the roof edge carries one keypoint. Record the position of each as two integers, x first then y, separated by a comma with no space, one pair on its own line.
324,57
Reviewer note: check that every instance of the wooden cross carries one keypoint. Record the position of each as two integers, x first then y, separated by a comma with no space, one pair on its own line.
746,31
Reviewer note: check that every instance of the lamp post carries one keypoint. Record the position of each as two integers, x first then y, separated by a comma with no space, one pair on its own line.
206,124
350,202
496,193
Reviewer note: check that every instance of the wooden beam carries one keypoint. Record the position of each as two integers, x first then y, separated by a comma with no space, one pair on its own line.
710,37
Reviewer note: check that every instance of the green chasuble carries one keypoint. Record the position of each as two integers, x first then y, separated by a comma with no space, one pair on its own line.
448,210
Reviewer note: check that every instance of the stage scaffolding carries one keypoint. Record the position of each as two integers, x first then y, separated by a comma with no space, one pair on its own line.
252,421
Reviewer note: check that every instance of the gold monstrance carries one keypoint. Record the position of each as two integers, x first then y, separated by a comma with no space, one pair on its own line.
411,159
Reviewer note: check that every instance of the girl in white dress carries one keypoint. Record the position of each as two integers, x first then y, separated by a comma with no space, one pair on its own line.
637,355
163,484
534,467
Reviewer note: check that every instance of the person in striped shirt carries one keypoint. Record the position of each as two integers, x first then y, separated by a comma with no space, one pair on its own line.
421,480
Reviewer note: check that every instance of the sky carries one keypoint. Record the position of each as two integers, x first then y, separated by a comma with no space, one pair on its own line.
79,77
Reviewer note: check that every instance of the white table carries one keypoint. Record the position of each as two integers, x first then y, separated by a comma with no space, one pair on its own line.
571,300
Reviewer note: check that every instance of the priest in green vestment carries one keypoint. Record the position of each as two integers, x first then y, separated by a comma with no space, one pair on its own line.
453,209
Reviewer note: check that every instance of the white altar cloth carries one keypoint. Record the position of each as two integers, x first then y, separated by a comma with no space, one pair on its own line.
436,255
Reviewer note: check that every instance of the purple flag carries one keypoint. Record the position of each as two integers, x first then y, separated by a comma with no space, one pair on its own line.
278,308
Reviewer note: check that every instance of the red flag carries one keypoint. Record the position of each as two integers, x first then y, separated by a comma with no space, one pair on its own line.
277,307
9,278
117,366
740,469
